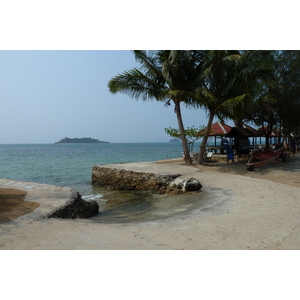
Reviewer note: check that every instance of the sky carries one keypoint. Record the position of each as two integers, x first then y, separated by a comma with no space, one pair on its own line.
48,95
57,58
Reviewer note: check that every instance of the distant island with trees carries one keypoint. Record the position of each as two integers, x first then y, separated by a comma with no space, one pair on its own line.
174,141
89,140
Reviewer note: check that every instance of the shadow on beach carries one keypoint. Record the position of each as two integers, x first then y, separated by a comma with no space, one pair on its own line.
13,204
277,171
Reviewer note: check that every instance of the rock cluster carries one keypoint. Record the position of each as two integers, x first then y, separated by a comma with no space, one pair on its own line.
76,207
187,185
122,179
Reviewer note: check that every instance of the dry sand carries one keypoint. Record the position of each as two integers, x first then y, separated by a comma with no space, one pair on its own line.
260,210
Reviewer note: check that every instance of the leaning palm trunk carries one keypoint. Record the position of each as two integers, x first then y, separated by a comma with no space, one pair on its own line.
185,148
201,157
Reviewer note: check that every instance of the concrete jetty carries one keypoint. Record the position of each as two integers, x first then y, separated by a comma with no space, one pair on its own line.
48,199
157,177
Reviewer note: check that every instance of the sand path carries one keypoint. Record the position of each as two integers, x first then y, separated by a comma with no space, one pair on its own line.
260,210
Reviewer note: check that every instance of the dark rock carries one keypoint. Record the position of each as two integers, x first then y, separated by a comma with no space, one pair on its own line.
192,185
91,211
76,207
180,185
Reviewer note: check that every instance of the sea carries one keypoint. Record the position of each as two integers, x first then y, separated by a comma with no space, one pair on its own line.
71,165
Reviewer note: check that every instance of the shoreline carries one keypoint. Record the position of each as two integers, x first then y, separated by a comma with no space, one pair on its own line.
261,212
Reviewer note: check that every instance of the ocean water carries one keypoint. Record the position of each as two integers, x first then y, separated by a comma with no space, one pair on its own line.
71,164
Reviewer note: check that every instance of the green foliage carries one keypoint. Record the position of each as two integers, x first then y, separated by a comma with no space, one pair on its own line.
145,82
287,90
163,75
278,104
173,132
230,81
192,133
241,85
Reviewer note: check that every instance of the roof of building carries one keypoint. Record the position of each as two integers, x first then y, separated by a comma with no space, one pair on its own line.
218,129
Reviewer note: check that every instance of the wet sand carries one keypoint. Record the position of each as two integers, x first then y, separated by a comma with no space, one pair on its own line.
12,204
260,210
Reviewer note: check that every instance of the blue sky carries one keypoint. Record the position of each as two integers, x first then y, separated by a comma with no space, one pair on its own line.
49,95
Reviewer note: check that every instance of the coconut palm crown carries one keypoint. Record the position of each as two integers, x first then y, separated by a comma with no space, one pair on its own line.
163,75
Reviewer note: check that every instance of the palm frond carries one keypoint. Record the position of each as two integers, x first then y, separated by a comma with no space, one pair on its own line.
205,97
150,65
233,57
137,85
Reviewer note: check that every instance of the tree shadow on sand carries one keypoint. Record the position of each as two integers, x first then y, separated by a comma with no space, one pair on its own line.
279,171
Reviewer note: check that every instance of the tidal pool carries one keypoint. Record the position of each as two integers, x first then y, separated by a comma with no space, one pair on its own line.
126,207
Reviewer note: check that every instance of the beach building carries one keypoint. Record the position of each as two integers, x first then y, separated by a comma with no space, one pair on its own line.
274,135
236,141
218,131
240,136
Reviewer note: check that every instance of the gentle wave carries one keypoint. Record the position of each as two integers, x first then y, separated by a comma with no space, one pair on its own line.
96,197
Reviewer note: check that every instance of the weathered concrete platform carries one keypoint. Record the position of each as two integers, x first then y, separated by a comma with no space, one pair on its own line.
146,176
49,197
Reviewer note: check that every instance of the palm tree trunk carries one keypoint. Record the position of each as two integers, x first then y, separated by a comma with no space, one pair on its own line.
185,148
205,138
267,141
279,133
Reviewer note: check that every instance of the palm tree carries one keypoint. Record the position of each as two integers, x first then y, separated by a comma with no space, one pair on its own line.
229,83
214,91
182,72
164,76
278,103
287,90
253,70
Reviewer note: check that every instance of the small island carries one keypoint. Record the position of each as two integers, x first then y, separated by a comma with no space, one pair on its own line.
174,140
89,140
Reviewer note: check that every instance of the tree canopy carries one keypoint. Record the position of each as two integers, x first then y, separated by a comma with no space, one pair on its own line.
243,86
163,75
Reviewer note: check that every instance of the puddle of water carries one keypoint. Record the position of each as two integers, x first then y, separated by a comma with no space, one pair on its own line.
126,207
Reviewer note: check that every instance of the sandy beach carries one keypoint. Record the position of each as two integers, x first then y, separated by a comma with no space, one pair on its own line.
259,210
